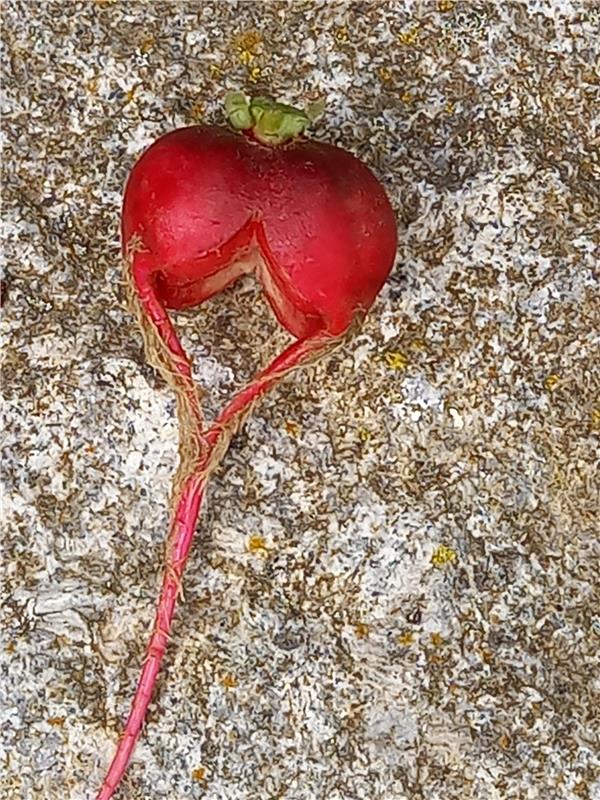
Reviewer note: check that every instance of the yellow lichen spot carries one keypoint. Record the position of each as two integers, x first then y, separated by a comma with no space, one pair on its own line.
551,382
147,45
257,545
449,108
396,360
56,722
199,774
436,639
254,74
92,86
229,681
418,344
362,630
406,97
248,41
215,71
197,110
130,94
443,555
596,418
341,34
504,741
384,74
409,37
292,427
445,5
248,45
364,434
406,639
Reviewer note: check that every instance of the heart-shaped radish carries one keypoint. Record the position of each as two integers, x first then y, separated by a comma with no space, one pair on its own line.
203,206
209,204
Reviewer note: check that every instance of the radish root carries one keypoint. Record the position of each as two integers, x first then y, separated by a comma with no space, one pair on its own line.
200,453
164,352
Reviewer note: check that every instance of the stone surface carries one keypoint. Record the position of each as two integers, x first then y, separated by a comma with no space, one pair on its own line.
394,589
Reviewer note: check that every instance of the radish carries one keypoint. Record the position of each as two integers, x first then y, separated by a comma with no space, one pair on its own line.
203,206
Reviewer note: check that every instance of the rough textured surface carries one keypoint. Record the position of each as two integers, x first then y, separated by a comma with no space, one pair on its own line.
393,588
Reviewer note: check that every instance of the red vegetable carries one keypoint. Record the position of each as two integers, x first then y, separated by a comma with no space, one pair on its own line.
204,205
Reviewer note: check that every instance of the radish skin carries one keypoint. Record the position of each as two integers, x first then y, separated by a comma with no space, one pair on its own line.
202,207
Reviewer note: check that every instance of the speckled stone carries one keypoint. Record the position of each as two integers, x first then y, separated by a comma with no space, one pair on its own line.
394,590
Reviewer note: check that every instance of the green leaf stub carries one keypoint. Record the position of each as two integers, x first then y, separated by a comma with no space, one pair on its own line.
238,111
271,122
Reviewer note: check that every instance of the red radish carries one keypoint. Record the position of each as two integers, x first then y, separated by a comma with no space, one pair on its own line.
204,205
